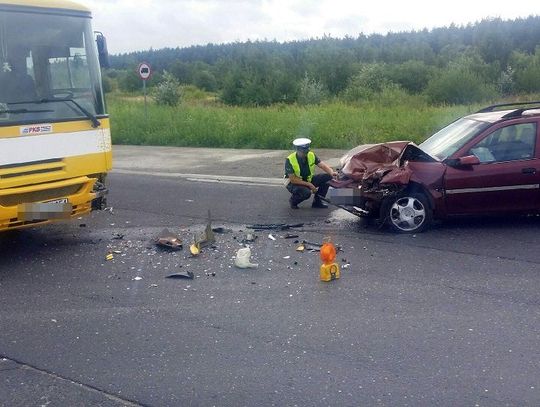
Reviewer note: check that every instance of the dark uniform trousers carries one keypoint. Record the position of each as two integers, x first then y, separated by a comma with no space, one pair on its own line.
301,193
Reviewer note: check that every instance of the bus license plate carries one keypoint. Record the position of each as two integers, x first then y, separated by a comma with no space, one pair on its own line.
56,209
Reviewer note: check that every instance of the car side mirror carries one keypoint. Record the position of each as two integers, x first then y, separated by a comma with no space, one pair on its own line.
468,160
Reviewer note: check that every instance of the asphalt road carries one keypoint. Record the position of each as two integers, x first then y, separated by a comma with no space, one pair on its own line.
446,317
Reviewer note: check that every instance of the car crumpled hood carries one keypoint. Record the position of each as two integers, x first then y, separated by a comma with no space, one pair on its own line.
375,161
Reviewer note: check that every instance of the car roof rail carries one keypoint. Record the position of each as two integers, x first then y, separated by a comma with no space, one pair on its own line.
493,107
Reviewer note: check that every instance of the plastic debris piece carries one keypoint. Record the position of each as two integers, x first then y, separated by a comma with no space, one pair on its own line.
271,237
109,256
290,236
207,238
195,249
242,259
168,240
275,226
300,248
311,246
317,246
137,278
152,286
287,257
118,236
221,229
182,274
249,238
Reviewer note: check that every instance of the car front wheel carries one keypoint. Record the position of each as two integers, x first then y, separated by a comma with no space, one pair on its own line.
407,212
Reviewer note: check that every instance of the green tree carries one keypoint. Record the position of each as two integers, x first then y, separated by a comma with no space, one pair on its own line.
370,80
167,92
129,81
205,80
412,76
526,71
311,91
458,85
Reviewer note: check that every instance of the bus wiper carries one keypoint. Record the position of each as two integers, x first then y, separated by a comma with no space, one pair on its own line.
21,111
93,119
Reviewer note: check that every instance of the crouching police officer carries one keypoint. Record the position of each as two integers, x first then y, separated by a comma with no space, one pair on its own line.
299,169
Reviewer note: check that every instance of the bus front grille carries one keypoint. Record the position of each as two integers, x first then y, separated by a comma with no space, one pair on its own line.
39,196
12,171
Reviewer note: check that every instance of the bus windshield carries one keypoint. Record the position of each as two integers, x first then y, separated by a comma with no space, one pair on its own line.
49,69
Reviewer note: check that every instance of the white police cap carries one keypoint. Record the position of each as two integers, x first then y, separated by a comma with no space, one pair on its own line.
302,142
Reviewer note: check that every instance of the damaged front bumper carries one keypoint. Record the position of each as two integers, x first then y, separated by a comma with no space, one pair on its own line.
31,205
362,200
372,173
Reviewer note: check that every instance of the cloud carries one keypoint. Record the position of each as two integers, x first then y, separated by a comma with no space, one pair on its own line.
140,25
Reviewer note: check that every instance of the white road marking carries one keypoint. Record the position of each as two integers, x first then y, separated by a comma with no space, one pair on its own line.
223,179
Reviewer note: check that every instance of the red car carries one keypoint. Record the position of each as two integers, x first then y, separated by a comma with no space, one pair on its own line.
484,163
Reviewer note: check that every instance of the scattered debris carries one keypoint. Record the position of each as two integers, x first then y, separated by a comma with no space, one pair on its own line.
300,248
195,249
275,226
109,256
221,230
118,236
207,238
152,286
287,257
290,236
249,238
168,240
311,246
182,274
317,246
271,237
137,278
242,259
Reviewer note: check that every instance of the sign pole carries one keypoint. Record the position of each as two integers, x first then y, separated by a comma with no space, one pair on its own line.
145,105
145,71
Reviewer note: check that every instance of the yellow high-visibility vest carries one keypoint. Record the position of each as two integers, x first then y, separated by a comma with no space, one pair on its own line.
296,165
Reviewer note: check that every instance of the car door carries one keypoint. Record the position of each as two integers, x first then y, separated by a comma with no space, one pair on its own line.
507,177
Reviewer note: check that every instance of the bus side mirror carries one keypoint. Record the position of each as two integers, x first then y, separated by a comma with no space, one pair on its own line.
103,53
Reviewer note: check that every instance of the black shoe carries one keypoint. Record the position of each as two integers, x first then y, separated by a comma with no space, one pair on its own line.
319,204
293,205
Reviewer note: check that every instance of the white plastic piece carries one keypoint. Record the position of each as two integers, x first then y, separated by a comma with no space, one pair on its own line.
242,259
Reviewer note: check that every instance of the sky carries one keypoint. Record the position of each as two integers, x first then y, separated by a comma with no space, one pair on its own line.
143,24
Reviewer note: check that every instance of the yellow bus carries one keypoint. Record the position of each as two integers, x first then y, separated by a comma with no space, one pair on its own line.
55,140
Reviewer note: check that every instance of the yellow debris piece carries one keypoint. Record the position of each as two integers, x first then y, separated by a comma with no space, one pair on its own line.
194,249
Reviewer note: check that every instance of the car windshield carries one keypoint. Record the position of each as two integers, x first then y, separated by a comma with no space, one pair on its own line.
451,138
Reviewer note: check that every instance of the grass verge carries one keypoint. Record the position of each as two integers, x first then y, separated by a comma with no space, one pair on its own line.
332,125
